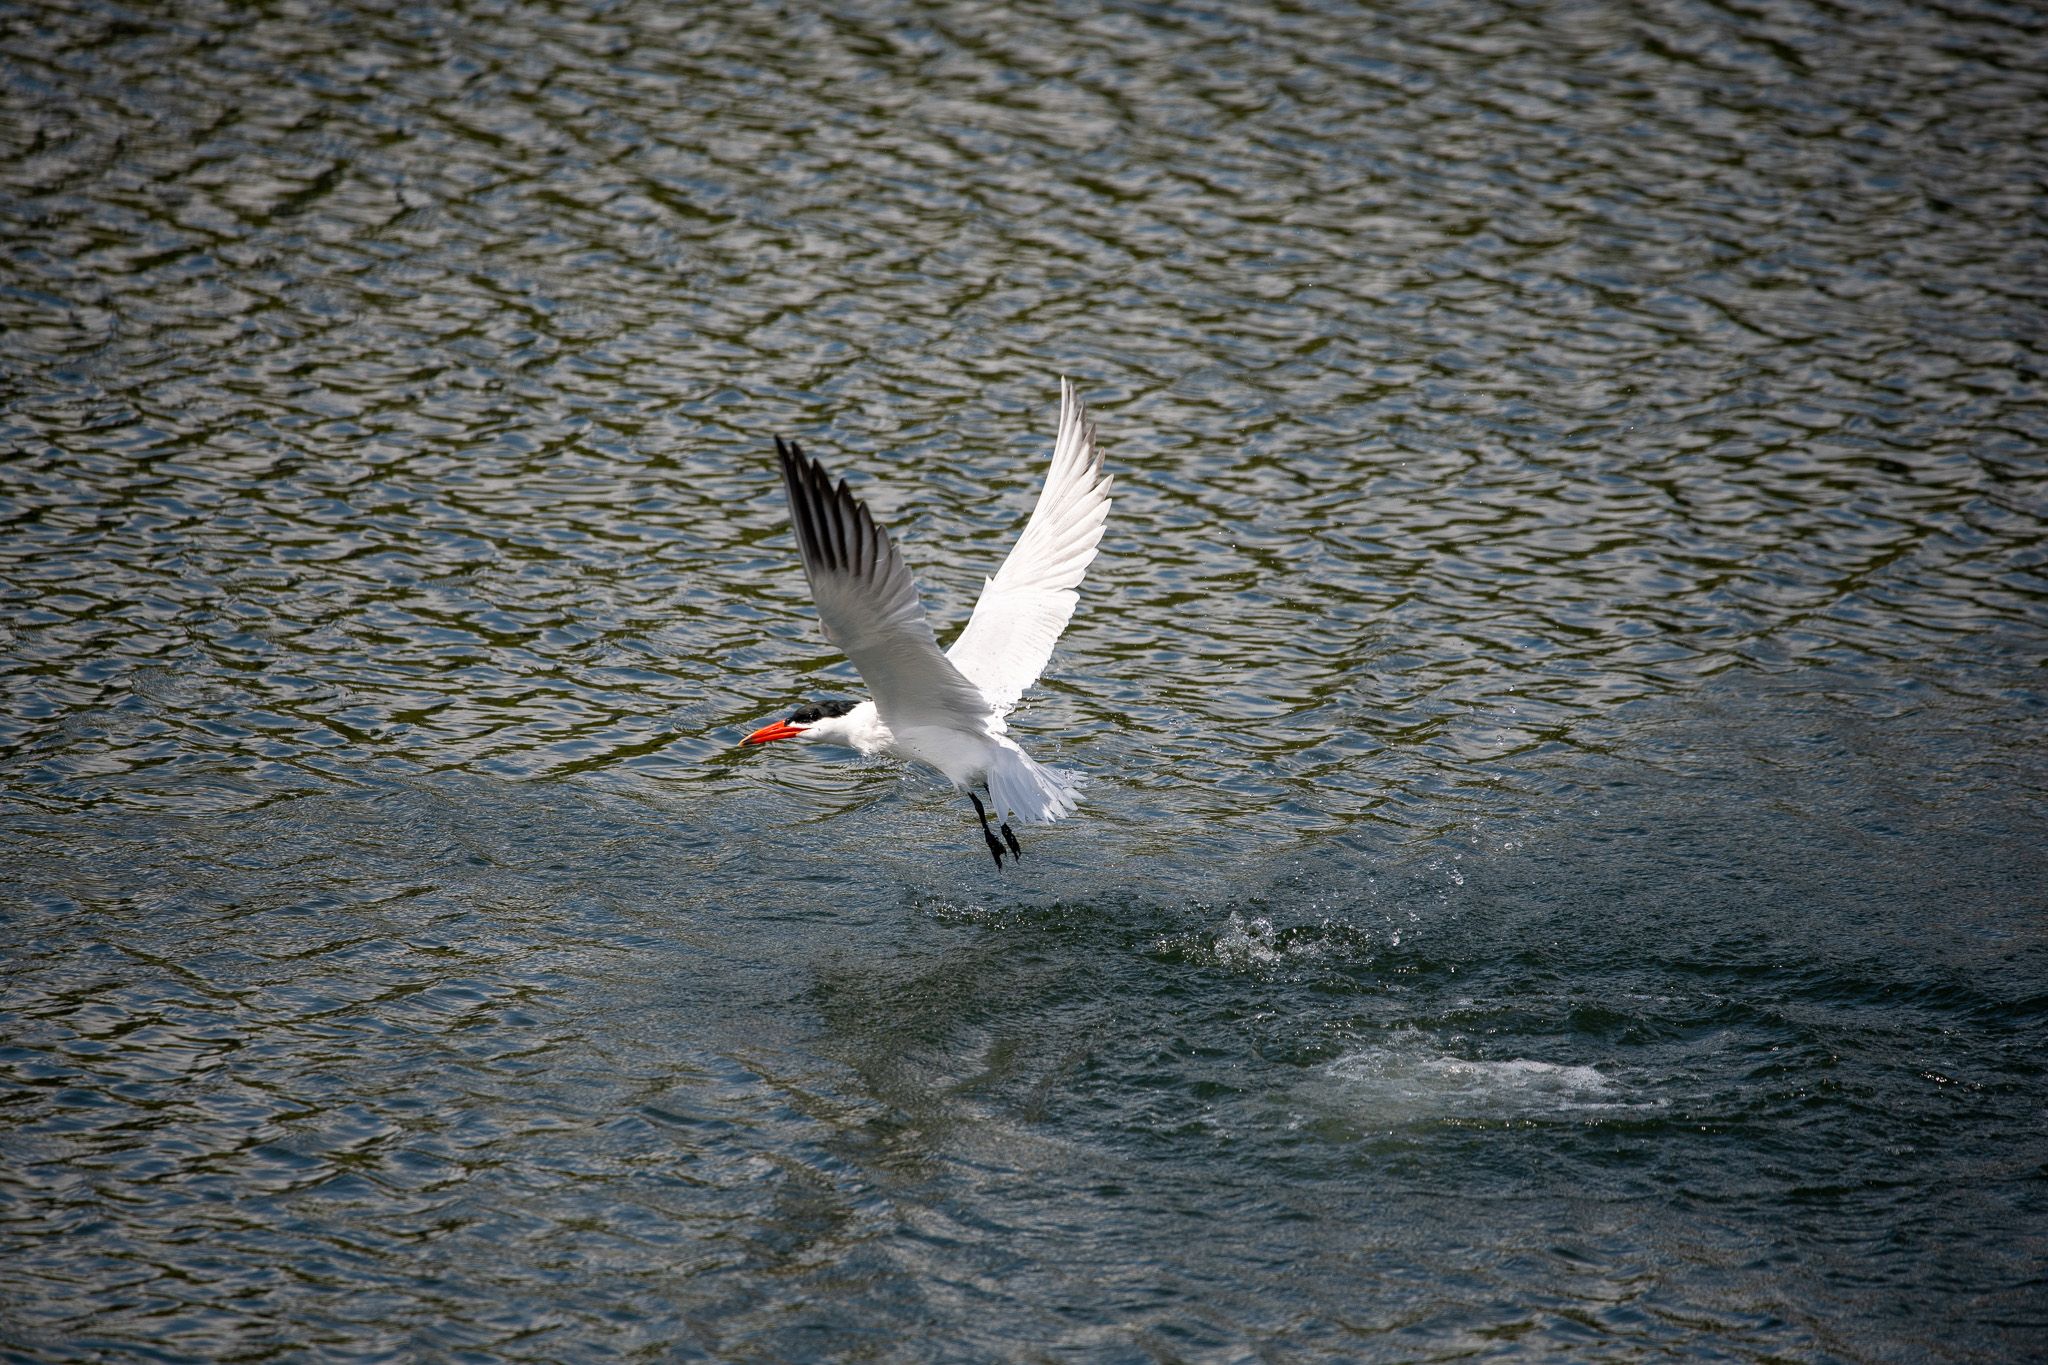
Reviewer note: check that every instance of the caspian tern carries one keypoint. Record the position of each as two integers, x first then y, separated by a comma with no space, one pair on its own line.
947,710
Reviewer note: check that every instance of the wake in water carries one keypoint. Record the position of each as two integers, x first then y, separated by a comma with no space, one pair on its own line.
1407,1077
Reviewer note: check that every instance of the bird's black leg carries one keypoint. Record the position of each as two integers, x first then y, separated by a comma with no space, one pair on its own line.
1008,838
995,849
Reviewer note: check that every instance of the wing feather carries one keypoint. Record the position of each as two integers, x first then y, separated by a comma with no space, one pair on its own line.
1028,603
867,602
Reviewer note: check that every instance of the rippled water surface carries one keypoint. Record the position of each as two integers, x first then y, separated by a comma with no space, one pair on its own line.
1563,691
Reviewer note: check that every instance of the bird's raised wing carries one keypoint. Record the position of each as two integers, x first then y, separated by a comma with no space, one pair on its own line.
1028,603
867,602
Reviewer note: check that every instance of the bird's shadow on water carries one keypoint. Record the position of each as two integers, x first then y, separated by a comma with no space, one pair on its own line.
1095,986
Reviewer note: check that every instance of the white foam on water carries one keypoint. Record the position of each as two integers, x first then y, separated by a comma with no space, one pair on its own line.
1407,1078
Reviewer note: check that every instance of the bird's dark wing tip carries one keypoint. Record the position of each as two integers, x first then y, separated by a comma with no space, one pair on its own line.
835,531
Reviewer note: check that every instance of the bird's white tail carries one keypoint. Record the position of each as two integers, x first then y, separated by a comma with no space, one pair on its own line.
1021,786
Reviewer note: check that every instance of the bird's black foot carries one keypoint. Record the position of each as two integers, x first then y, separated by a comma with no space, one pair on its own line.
995,848
1011,840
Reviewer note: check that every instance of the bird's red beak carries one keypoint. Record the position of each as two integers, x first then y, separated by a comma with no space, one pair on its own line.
781,729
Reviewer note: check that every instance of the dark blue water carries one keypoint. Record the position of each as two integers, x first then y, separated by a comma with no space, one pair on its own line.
1563,691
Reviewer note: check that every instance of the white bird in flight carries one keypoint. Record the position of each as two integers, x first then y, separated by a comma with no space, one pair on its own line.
946,710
